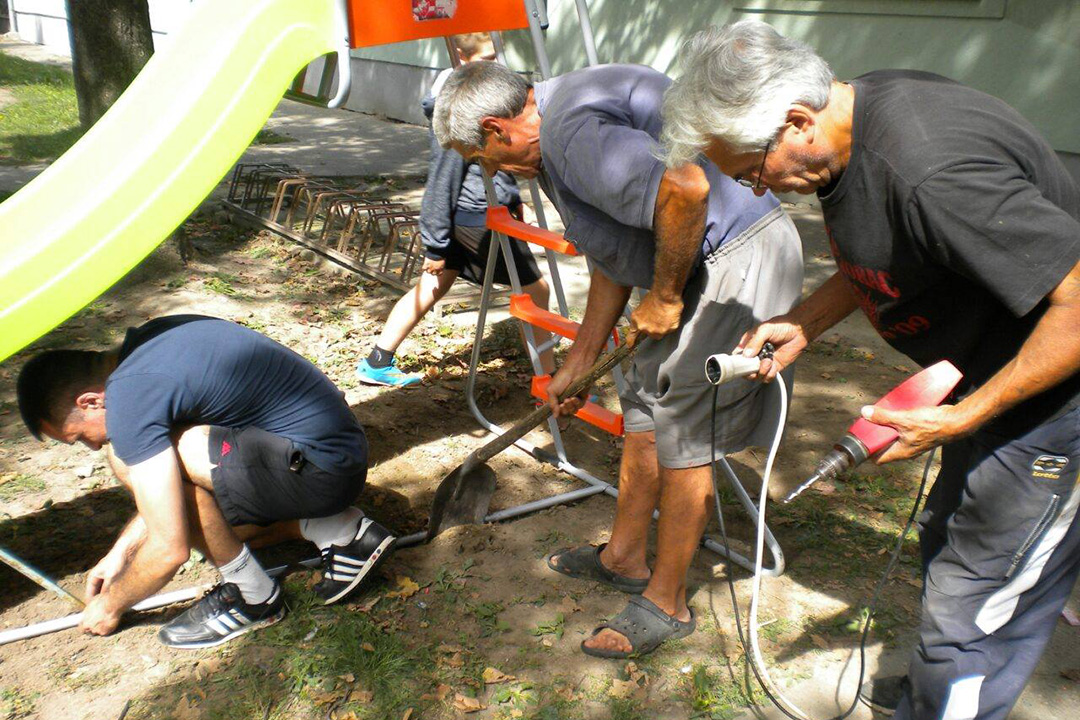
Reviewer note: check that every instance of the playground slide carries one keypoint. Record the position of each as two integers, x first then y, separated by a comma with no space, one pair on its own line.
156,154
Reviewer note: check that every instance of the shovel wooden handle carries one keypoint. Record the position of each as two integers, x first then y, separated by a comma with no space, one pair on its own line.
603,366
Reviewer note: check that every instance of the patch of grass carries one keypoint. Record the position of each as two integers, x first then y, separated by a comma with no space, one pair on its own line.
487,614
177,282
550,539
43,122
626,709
774,630
710,696
269,137
558,709
15,703
253,324
221,283
12,485
307,665
260,252
553,627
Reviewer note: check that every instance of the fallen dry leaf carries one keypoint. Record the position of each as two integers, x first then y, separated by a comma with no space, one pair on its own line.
444,648
367,606
206,668
467,704
367,646
364,696
567,606
622,689
441,691
636,674
185,710
407,587
347,677
493,676
820,642
407,715
322,697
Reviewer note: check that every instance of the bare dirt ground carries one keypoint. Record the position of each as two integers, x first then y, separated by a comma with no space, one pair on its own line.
474,622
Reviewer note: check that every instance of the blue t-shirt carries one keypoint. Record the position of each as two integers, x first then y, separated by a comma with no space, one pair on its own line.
599,135
187,370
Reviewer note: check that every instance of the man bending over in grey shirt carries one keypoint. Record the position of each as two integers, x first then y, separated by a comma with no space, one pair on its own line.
714,257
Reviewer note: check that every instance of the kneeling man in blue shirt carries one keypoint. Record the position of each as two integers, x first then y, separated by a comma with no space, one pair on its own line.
224,437
715,259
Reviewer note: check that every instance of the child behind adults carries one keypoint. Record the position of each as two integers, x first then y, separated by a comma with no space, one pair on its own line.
456,239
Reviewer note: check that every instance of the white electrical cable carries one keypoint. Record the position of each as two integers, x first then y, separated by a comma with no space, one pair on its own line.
754,656
759,559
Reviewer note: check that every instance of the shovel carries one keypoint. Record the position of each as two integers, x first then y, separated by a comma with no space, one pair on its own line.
32,573
463,496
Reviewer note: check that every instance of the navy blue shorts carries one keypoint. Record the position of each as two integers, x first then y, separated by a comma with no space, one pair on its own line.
261,478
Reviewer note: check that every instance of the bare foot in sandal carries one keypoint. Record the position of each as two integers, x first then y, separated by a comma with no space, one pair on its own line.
638,630
590,562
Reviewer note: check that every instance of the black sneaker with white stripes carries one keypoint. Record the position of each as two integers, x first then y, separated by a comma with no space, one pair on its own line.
220,616
345,566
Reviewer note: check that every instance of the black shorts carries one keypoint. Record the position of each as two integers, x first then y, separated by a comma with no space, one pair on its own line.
261,478
468,252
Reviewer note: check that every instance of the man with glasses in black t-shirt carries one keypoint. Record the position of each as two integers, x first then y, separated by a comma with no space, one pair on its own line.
956,229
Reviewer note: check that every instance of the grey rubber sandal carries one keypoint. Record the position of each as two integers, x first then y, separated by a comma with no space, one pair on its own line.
584,563
646,627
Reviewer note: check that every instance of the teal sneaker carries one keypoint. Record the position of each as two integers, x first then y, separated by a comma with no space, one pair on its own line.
389,375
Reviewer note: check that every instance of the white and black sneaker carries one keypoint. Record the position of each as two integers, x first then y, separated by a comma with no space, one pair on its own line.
220,616
345,566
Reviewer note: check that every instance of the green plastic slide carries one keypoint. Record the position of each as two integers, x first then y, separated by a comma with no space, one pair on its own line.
156,154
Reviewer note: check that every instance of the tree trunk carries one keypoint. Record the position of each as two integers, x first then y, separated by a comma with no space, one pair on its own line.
110,43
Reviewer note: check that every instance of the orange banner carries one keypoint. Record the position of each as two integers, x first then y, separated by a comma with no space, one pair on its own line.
380,22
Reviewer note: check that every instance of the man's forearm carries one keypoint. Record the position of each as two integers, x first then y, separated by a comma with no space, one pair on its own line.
679,227
607,299
825,307
129,539
149,570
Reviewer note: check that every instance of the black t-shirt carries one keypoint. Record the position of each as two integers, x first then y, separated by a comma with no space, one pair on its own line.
194,370
952,222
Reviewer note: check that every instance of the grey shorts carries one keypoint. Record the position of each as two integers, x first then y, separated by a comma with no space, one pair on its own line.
748,280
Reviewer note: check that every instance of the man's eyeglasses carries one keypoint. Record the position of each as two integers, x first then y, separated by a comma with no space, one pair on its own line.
755,184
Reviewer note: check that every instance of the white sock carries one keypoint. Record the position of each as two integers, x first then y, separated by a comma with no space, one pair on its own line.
337,529
248,575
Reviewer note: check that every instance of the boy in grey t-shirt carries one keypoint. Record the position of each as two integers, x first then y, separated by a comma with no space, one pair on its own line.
453,219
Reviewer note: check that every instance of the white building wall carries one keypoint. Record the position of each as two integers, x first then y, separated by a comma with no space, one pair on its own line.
44,22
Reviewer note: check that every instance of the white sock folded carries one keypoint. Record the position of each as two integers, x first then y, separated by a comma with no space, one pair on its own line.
337,529
248,575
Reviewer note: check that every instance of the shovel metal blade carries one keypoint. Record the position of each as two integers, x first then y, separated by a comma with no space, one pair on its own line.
462,498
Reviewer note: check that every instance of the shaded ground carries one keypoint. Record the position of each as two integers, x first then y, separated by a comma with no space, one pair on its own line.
477,598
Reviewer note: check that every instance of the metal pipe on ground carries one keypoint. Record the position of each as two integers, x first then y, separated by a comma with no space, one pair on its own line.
151,603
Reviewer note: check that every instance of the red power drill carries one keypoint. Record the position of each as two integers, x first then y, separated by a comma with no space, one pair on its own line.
864,438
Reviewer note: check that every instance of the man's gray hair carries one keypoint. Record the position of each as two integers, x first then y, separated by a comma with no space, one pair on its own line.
737,84
471,93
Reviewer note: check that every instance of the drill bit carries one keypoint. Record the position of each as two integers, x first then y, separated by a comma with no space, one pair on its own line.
798,491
